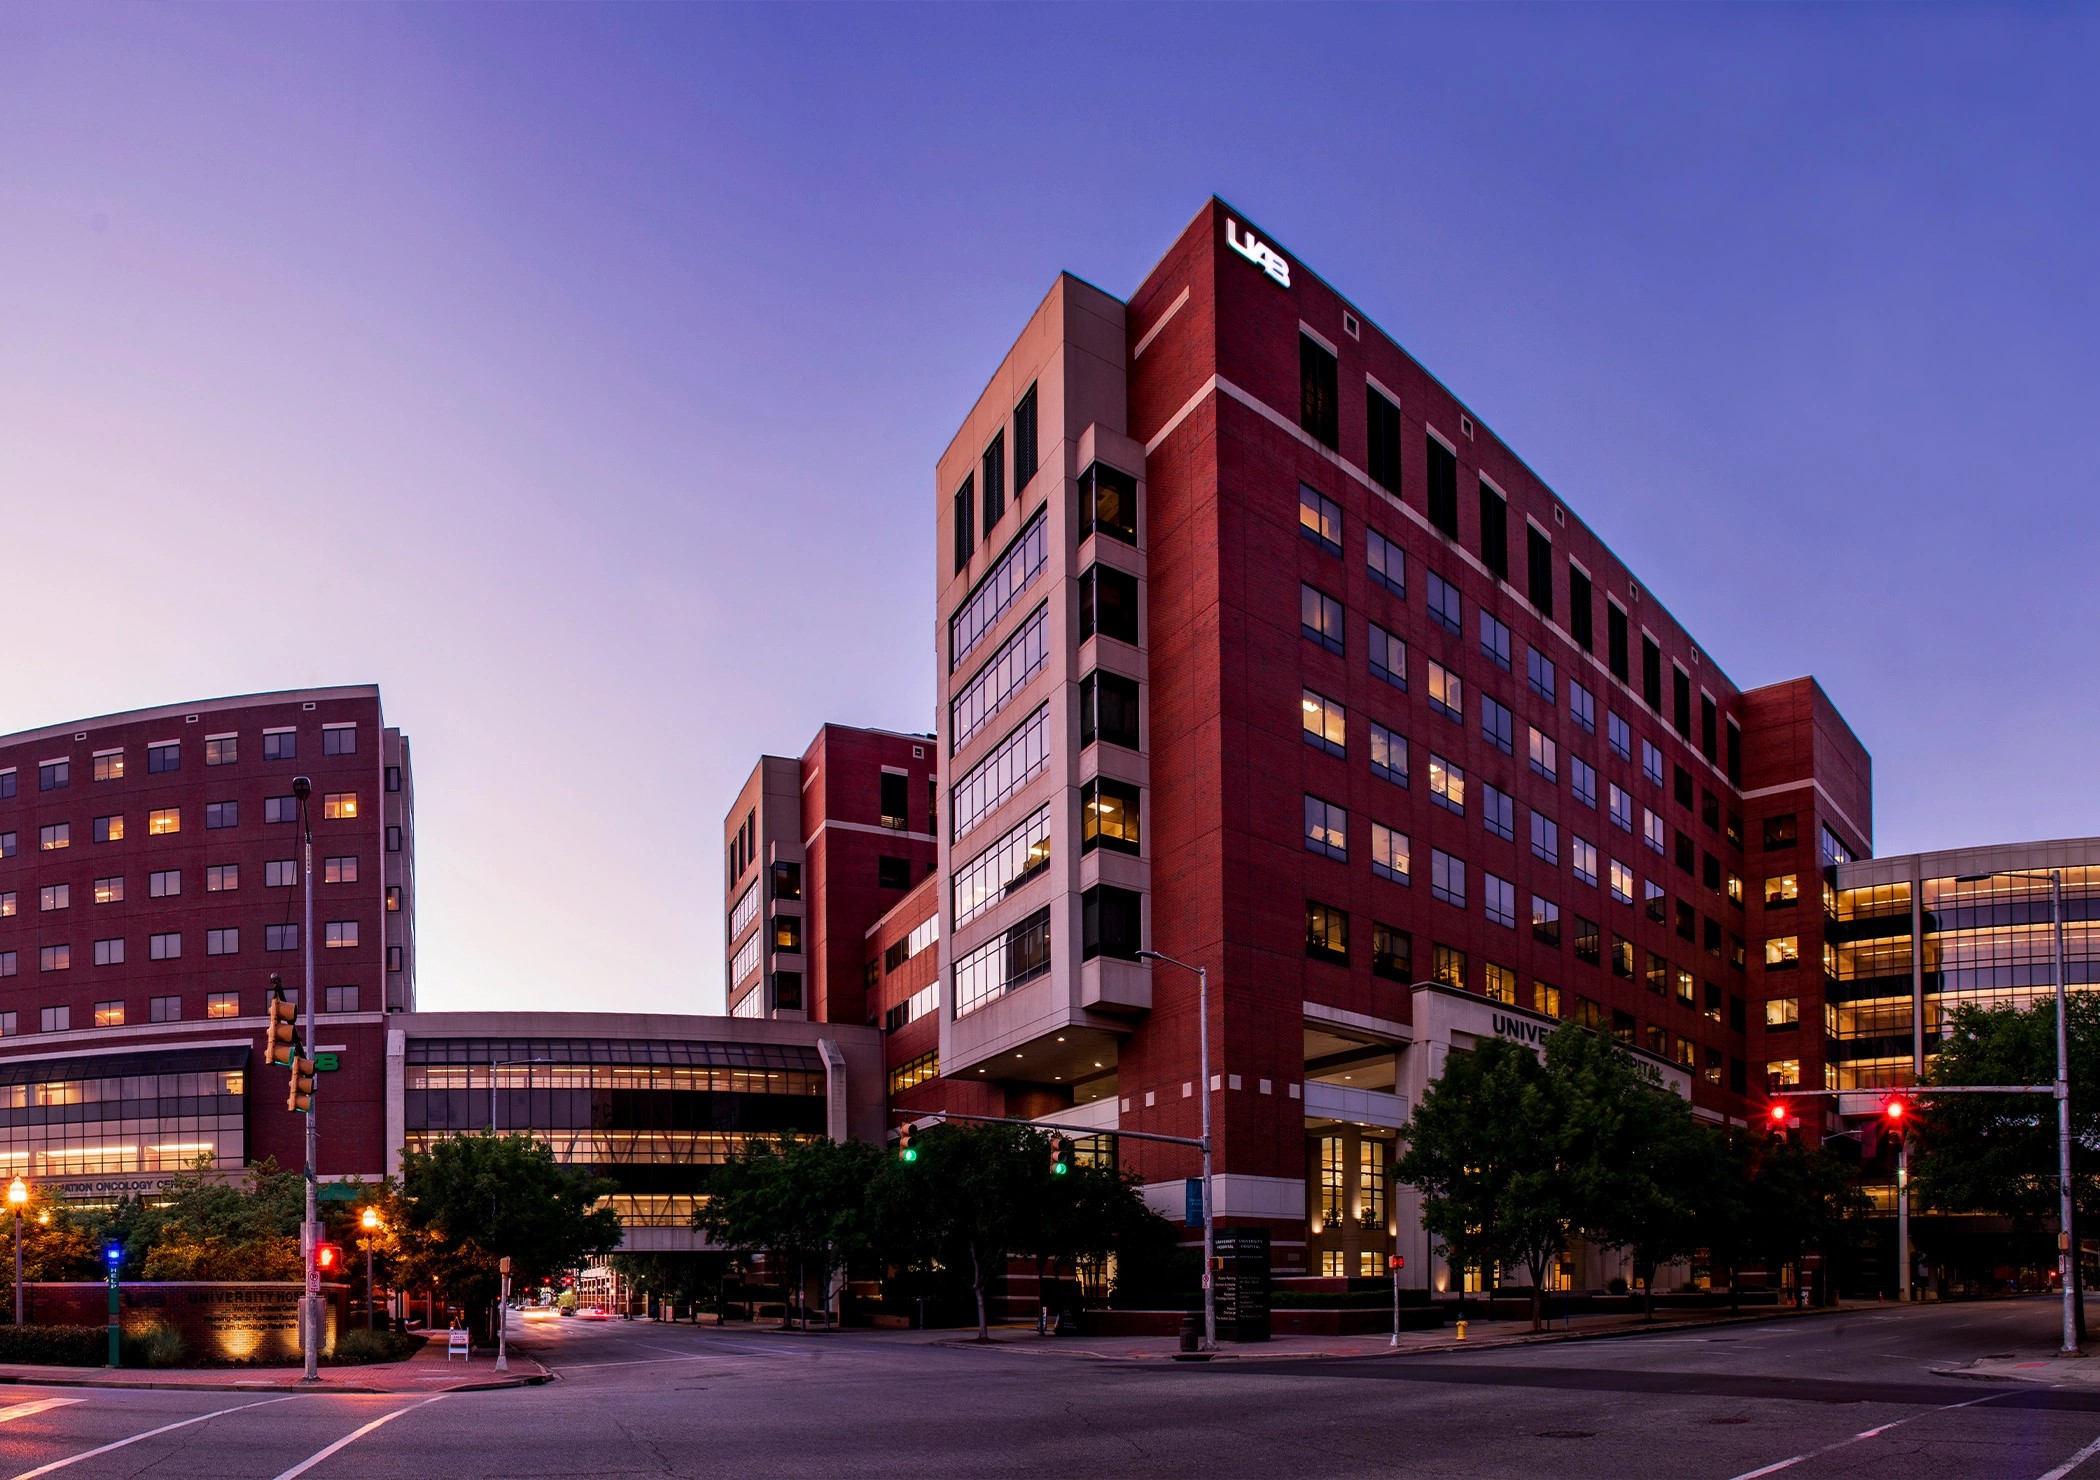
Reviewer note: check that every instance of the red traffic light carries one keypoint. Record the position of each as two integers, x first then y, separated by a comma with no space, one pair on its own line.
1396,1261
328,1257
1896,1111
1777,1114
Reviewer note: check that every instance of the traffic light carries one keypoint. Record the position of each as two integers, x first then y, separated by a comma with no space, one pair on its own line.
1777,1117
1060,1156
1895,1113
328,1259
301,1097
905,1150
283,1031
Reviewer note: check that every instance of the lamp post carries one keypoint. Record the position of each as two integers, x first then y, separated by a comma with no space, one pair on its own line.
310,1322
1210,1299
2067,1253
18,1198
369,1222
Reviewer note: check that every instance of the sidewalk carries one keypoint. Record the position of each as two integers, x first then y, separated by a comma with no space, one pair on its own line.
429,1371
2032,1366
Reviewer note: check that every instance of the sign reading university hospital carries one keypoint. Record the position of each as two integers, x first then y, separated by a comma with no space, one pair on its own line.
1257,251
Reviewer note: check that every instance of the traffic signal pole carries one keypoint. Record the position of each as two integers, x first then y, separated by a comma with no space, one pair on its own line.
303,789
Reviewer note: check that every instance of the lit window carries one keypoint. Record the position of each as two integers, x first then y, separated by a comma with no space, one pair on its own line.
1325,723
1447,784
1783,1012
54,836
107,891
1783,1074
164,820
222,750
1621,882
222,878
1447,964
1108,816
1782,951
223,1005
339,805
1390,853
341,870
1320,519
110,766
1545,755
1447,693
1326,932
7,904
109,1014
109,829
1388,754
1326,828
1781,890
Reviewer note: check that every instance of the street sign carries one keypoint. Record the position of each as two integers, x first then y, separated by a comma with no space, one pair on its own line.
1192,1202
326,1063
456,1346
1396,1261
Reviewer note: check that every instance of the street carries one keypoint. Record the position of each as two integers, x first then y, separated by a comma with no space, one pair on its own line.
1838,1395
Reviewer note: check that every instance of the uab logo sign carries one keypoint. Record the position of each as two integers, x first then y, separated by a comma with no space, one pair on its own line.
1257,251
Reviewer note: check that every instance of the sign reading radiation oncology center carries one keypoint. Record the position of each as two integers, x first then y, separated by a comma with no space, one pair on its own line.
1257,251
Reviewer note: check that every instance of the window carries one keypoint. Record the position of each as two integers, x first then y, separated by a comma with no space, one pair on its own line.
7,845
56,1019
164,884
1579,626
1654,832
280,873
1391,853
1709,810
164,1009
1498,983
1444,604
993,467
393,898
1108,816
1545,922
1447,785
892,873
164,757
220,750
1539,568
965,520
339,999
1111,923
1582,708
109,952
1782,891
1681,779
1834,849
1498,813
1543,676
7,905
1019,659
1443,488
222,1005
1545,998
1496,725
54,775
109,766
1734,767
1657,974
1447,964
1447,878
1392,953
1108,709
1545,755
1499,900
1615,640
55,897
1320,618
1651,673
1001,587
1025,455
1589,940
1320,519
1782,952
222,878
393,778
1494,640
1735,888
1108,503
339,935
1618,736
109,829
1620,806
166,946
787,881
56,958
1653,901
286,938
1687,922
107,891
1783,1012
1494,532
1545,838
280,809
1388,657
1387,563
893,799
1651,763
1781,832
1017,760
222,814
1382,439
1324,722
1621,882
1582,780
1388,754
1782,1074
1447,694
164,820
8,965
393,839
1681,701
55,835
339,806
1326,828
1318,392
1326,933
1583,856
222,942
280,745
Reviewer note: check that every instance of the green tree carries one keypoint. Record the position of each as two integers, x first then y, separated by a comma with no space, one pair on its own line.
207,1227
972,1194
805,1200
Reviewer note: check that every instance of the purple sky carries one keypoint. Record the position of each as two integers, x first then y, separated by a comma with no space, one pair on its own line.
502,356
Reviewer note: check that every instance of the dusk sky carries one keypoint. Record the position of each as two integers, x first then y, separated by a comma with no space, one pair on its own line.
502,356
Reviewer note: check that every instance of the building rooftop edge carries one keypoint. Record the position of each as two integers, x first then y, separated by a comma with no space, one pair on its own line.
193,706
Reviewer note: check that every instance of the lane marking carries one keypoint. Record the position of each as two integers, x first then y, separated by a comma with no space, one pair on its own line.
24,1410
2074,1461
60,1464
1786,1464
353,1436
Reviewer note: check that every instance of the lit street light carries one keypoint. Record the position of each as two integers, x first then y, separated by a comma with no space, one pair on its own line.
369,1222
18,1198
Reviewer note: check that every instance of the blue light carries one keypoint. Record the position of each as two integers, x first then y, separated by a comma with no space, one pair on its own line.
114,1253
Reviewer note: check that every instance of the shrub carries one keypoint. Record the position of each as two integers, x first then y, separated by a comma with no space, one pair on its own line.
1616,1285
155,1346
58,1346
360,1345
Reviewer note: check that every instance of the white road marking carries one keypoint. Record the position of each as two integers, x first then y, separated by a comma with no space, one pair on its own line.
353,1436
24,1410
60,1464
1786,1464
2073,1462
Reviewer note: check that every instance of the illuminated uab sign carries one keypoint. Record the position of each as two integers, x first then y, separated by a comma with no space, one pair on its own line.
1257,251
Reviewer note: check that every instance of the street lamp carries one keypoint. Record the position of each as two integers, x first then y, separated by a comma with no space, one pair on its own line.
2067,1253
369,1222
1210,1302
18,1198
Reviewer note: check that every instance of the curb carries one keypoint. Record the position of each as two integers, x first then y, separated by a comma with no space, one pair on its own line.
324,1387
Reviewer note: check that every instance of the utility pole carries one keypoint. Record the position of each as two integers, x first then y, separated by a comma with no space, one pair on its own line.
1210,1237
303,789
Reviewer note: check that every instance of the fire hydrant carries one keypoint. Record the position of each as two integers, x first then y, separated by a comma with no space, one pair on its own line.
1461,1330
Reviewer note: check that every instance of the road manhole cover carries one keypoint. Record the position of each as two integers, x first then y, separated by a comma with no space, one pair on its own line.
1567,1433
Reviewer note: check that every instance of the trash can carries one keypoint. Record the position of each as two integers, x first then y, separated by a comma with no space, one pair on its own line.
1191,1332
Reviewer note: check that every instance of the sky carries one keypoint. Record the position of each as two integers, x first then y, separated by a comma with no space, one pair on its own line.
577,373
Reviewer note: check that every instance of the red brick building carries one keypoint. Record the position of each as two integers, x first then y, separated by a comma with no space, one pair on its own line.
1258,648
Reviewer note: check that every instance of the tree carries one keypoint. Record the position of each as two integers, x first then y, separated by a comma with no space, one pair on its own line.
466,1201
972,1192
806,1200
208,1228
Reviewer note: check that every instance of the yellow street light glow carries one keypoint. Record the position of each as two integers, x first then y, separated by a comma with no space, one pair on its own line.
370,1219
18,1192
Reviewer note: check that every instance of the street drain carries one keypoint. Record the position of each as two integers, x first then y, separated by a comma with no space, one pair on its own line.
1728,1420
1567,1434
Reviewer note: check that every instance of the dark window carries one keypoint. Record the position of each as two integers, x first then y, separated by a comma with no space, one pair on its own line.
787,990
1651,673
1615,639
1494,532
896,799
1709,728
280,745
892,873
54,776
1579,609
1318,392
1539,552
1734,767
1443,488
164,757
393,840
1108,503
1382,453
1319,519
787,881
393,778
1681,701
1392,950
994,470
1320,617
1781,832
1108,604
1108,709
1111,923
1024,441
1687,856
1683,782
339,740
965,523
1589,940
1326,932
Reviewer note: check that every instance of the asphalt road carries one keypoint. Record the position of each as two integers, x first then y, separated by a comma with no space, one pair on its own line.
1845,1395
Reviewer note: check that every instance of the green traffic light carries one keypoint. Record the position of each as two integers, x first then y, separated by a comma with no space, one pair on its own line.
911,1153
1057,1169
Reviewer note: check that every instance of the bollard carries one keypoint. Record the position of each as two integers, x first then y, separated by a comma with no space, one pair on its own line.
1461,1330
